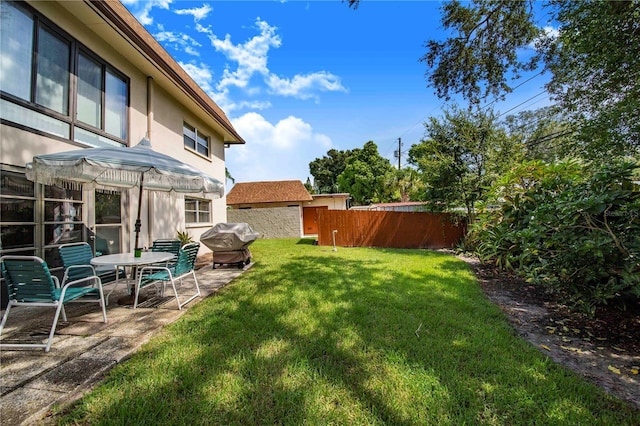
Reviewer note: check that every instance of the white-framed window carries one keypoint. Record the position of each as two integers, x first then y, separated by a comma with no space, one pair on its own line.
108,222
50,83
62,215
195,140
197,210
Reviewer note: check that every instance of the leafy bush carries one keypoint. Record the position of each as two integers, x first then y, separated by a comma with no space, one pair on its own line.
573,229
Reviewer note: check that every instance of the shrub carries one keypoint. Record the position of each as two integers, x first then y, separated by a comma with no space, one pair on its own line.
570,228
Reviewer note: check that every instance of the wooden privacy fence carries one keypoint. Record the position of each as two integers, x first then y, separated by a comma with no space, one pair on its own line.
389,229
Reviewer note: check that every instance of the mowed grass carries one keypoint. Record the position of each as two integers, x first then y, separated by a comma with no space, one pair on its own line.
358,336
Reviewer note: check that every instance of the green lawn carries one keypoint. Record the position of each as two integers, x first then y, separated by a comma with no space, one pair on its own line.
357,336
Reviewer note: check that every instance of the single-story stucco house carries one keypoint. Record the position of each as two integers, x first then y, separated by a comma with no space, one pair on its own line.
280,209
272,208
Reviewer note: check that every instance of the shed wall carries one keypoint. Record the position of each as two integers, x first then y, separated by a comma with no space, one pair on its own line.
278,222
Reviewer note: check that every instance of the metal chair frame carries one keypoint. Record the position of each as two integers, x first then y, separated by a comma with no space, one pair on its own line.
183,268
76,259
30,283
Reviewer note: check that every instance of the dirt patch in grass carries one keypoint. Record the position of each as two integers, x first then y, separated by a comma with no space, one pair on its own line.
604,349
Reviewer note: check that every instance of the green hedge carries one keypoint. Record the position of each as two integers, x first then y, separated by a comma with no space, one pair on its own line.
571,228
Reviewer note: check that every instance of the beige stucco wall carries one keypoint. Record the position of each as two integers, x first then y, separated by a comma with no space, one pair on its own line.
334,203
166,136
278,222
161,216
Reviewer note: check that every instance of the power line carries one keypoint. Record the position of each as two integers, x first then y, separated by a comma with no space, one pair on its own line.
496,99
398,153
486,106
522,103
549,137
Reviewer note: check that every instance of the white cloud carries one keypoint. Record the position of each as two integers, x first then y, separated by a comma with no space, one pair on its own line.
549,33
191,51
289,133
274,152
181,42
198,13
201,74
251,58
304,86
255,105
143,8
202,29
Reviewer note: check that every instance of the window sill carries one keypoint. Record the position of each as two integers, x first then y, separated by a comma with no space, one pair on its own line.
204,157
198,225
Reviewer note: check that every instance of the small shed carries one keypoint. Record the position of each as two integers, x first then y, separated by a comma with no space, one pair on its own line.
339,201
272,208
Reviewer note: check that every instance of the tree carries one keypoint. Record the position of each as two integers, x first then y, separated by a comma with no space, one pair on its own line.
460,156
483,50
406,184
366,176
325,171
544,133
595,62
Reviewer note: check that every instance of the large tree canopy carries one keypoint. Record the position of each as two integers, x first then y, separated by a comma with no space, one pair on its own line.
366,176
460,156
595,62
325,171
476,60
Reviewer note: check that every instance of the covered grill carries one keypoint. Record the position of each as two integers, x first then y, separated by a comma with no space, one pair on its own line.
229,243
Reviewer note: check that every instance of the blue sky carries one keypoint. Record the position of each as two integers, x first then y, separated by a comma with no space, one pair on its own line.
297,78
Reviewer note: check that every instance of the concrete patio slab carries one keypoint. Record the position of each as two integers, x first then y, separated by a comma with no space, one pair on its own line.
84,347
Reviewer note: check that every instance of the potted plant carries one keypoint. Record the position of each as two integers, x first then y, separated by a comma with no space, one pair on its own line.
184,237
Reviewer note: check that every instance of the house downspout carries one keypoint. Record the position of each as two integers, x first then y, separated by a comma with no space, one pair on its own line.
150,199
149,106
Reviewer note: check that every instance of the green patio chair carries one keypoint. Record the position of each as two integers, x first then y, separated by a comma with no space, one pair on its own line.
30,283
76,260
169,246
159,276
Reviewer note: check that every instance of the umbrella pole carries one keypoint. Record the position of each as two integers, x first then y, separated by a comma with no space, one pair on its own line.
138,224
129,300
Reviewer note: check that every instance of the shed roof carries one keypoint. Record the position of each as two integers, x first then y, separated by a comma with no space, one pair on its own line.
279,191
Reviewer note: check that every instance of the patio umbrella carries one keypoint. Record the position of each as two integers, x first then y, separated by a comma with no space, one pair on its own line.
122,167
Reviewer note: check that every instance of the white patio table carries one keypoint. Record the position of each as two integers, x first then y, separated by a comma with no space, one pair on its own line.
129,260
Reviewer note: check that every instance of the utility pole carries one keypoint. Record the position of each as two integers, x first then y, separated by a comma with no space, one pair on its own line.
398,153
